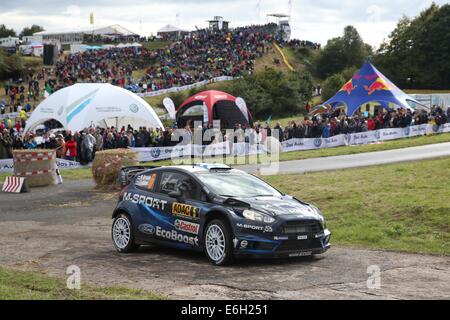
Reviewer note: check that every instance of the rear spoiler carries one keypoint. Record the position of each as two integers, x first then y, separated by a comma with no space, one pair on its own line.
127,174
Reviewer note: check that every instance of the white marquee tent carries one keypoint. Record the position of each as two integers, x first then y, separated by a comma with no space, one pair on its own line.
86,105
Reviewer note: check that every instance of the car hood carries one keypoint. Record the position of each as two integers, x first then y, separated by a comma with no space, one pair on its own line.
278,206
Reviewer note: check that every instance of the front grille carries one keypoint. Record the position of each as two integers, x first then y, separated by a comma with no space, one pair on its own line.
301,227
299,244
262,245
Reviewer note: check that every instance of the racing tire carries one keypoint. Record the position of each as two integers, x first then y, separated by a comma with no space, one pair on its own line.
122,234
218,243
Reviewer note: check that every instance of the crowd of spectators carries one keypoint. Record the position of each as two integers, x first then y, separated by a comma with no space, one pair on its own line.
202,55
81,146
336,122
296,43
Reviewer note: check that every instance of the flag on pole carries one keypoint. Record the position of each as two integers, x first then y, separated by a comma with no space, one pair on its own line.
91,18
47,91
269,119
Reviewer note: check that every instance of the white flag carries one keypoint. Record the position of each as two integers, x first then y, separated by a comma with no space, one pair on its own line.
170,107
242,106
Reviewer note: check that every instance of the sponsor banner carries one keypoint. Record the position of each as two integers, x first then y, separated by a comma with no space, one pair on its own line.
334,141
415,131
163,153
391,134
7,165
67,164
313,143
361,138
243,149
439,129
216,149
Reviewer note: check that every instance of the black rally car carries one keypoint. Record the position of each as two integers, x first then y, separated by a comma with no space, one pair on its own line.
213,208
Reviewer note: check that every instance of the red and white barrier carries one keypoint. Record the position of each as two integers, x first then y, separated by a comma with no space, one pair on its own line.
13,184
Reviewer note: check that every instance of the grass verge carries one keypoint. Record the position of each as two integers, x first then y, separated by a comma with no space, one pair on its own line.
21,285
402,207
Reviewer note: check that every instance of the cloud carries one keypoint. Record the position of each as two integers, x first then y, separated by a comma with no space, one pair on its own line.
317,20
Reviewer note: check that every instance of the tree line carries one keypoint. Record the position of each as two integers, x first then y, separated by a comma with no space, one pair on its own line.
6,32
416,54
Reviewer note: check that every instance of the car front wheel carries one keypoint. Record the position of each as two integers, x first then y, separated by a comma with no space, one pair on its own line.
218,243
122,234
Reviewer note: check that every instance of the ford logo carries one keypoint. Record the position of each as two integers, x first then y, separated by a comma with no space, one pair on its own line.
147,228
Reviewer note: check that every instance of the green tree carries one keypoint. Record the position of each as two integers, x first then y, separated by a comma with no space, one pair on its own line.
29,31
417,53
273,92
341,53
2,63
10,66
331,85
5,32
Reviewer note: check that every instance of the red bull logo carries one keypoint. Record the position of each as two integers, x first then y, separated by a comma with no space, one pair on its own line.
348,87
377,85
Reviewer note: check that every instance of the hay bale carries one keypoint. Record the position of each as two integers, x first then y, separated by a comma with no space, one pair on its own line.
37,165
107,164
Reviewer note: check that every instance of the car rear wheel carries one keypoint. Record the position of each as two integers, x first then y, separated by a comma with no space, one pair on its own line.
218,243
122,234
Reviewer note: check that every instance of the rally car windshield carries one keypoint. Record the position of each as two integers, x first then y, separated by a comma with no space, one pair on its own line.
237,185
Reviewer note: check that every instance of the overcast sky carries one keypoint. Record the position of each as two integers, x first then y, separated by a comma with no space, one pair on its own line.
317,20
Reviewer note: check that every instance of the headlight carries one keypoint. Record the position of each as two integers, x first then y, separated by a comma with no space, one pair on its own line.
319,215
257,216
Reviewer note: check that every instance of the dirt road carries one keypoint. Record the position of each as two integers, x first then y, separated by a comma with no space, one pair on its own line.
52,228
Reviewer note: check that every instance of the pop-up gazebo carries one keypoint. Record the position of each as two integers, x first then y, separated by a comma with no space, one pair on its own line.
370,85
94,104
210,105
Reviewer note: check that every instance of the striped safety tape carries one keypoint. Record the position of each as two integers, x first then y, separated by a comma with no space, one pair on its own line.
33,159
13,184
34,173
33,155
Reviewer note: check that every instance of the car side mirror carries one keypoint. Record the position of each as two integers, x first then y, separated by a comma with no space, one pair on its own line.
175,194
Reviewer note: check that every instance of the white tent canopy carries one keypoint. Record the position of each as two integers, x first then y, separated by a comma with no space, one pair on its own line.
86,105
169,28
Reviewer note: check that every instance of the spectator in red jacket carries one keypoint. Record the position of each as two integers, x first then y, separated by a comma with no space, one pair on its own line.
71,147
371,124
18,126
